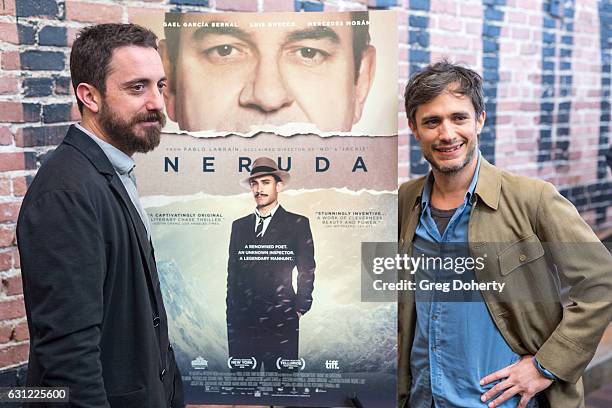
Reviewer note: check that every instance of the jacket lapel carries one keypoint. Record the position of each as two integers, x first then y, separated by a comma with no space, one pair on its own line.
141,233
251,225
410,211
247,237
90,149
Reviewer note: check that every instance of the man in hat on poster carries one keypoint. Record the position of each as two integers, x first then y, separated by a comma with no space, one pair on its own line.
263,309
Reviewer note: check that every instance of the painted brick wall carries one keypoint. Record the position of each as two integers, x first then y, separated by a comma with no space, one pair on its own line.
546,65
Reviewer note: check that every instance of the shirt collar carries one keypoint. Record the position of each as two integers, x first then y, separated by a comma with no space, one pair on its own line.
271,213
469,195
122,163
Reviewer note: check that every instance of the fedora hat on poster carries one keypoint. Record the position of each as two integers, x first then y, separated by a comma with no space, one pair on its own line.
264,166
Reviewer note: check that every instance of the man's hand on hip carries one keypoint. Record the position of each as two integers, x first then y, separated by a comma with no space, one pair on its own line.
520,378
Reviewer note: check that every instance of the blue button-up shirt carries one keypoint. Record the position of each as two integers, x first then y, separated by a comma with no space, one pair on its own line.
455,343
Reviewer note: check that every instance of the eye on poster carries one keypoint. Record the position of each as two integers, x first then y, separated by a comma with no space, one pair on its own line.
279,158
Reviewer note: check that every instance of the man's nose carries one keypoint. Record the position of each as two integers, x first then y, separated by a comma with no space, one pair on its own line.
155,100
266,89
446,131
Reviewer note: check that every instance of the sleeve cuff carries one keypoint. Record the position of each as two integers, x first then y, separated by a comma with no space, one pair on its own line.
546,373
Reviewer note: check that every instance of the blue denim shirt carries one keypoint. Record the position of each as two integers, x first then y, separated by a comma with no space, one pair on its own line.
455,343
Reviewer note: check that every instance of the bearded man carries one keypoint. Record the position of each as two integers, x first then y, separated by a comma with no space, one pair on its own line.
95,312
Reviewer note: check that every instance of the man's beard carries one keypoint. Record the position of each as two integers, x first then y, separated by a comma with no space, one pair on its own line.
122,132
471,146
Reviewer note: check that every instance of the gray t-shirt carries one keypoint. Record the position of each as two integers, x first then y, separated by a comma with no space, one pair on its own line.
442,217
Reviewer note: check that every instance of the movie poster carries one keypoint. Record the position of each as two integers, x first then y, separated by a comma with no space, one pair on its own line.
295,108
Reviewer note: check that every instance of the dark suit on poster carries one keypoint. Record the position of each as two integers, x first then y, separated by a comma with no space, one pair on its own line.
95,312
262,307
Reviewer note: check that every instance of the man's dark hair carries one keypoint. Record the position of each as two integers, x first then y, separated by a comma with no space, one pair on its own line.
93,49
361,39
438,78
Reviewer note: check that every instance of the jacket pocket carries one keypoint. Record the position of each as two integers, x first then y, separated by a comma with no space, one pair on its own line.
132,399
521,252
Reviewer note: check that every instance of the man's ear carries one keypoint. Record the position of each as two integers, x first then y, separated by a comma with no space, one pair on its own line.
367,69
279,186
89,96
480,122
413,128
169,91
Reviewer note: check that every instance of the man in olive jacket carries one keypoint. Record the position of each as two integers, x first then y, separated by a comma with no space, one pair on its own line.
528,235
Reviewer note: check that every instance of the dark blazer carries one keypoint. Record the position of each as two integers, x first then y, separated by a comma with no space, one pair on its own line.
95,313
257,288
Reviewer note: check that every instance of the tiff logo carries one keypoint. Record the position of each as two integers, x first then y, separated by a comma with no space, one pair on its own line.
332,365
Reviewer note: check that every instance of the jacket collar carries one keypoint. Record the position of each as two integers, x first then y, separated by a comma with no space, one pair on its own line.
488,187
122,163
90,149
420,185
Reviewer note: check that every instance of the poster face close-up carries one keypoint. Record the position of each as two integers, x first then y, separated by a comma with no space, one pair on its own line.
324,73
278,160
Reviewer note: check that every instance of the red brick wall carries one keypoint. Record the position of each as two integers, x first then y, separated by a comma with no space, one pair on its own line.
571,87
36,102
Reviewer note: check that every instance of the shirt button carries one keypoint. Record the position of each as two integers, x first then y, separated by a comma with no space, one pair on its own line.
156,321
434,317
434,349
522,257
162,373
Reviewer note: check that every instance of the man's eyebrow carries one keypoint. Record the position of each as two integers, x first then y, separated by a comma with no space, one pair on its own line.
141,80
436,116
202,32
462,113
429,117
314,33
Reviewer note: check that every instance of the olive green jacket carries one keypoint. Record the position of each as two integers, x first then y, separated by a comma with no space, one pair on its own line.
512,216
